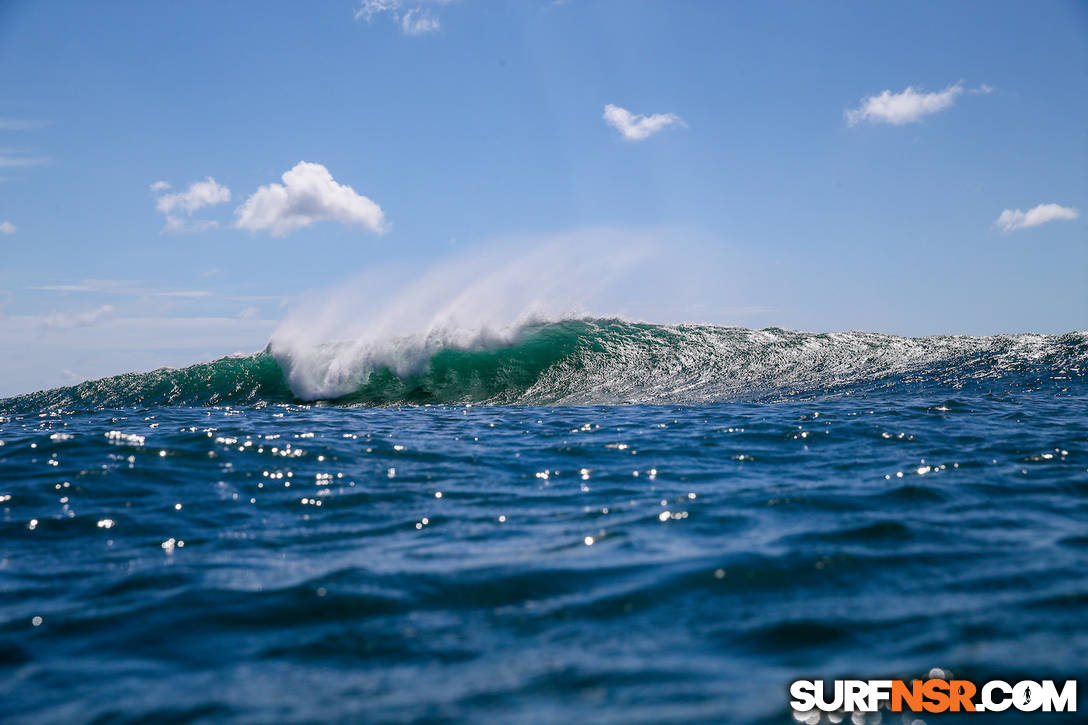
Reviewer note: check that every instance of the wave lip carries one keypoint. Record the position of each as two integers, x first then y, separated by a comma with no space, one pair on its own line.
444,363
594,361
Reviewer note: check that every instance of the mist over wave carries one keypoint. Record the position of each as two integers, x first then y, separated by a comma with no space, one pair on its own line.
503,327
396,322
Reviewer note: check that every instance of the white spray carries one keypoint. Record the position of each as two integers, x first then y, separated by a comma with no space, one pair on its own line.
331,342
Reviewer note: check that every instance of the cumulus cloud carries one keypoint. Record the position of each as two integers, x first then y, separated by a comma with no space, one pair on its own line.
636,127
308,194
417,20
1013,219
200,194
907,106
67,320
7,227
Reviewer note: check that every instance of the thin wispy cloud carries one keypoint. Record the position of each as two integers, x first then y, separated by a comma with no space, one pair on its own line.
307,195
909,105
119,287
200,194
415,20
181,225
7,227
1014,219
66,320
636,127
21,124
17,160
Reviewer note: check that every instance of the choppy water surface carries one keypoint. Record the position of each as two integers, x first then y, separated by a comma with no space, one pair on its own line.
288,563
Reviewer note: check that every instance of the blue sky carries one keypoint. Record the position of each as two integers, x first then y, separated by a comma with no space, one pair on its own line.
433,127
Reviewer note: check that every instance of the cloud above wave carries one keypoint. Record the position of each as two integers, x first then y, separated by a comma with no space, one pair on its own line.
1014,219
636,127
308,194
200,194
417,20
908,106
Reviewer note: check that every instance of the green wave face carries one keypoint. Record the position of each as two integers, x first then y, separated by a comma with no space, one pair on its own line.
610,361
230,380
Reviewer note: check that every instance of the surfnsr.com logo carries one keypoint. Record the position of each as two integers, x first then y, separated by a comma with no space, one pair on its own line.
811,697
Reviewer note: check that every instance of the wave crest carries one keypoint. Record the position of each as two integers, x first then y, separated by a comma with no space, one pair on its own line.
597,361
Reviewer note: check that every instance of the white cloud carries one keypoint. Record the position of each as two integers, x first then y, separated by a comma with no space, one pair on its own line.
308,194
369,8
909,105
200,194
635,127
66,320
7,227
1013,219
417,20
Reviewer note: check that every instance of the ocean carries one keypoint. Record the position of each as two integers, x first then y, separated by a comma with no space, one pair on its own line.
593,520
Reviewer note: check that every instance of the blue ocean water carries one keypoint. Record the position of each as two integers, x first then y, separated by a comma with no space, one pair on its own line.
597,522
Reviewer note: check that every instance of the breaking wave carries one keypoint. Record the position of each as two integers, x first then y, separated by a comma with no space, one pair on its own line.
594,361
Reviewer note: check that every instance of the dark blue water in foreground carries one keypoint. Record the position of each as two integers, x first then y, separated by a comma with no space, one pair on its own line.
287,563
